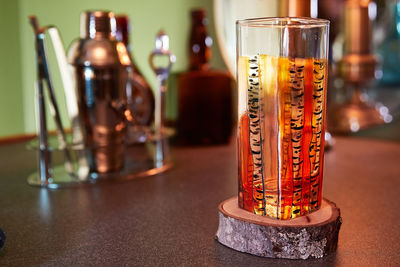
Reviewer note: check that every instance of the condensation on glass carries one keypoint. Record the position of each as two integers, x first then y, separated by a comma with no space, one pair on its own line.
282,79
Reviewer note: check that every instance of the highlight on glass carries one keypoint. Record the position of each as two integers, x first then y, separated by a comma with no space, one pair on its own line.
282,80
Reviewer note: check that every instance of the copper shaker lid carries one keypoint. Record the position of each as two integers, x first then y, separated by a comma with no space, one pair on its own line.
98,24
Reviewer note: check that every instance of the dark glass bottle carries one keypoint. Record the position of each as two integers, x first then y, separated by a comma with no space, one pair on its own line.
205,96
139,93
199,42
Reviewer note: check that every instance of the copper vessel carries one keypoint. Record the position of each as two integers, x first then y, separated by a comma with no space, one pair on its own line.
101,72
295,8
358,64
356,68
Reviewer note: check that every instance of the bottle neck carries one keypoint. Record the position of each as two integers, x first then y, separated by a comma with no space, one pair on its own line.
199,43
123,30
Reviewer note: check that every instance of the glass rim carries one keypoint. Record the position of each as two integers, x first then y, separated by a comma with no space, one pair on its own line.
283,22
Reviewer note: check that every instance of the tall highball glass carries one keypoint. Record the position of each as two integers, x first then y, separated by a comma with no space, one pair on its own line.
282,80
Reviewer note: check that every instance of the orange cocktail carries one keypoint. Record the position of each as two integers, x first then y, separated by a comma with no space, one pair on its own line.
281,134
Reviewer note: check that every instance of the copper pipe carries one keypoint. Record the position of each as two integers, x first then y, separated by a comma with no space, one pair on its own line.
358,63
357,27
295,8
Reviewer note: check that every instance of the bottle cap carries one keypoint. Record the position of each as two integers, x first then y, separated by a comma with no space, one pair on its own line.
98,25
199,14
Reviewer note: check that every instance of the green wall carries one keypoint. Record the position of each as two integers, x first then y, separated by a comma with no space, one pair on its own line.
17,55
11,97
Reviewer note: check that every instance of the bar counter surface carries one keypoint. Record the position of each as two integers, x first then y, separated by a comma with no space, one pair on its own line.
171,219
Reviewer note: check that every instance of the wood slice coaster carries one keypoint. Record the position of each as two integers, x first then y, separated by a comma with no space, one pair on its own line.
310,236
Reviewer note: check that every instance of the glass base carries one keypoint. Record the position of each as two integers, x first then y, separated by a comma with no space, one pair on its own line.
140,160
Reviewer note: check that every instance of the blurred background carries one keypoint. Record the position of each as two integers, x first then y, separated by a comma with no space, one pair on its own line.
17,52
18,71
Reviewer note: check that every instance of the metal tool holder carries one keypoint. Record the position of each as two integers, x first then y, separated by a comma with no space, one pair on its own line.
46,174
141,159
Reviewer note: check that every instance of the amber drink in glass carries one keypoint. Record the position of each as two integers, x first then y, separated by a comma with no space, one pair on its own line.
282,80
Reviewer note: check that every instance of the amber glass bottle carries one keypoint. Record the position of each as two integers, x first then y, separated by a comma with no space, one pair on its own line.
140,96
205,96
199,42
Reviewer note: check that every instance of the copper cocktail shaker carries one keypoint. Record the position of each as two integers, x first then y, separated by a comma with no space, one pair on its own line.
101,72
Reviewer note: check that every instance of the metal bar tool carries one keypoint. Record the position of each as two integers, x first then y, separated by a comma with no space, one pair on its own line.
162,73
